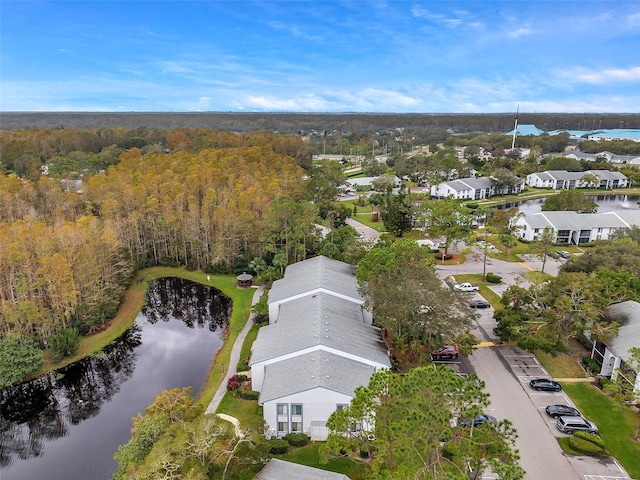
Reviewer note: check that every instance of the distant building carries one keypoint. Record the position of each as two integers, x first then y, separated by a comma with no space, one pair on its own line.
564,180
473,188
576,228
594,135
615,134
368,182
606,156
526,131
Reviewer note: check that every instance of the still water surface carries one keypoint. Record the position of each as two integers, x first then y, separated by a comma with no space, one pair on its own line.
68,424
606,203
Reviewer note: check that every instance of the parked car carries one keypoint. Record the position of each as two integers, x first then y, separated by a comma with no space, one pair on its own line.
479,420
479,303
572,424
466,287
556,411
447,351
563,254
545,384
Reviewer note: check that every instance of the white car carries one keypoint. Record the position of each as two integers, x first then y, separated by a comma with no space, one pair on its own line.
466,287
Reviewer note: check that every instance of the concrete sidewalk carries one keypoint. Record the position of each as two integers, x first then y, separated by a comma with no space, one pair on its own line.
235,356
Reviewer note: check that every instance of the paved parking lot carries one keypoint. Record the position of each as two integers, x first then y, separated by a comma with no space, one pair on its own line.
525,367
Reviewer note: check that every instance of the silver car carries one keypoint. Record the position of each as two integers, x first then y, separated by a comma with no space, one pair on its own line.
570,424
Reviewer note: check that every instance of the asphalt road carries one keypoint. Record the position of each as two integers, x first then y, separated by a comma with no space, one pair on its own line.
506,373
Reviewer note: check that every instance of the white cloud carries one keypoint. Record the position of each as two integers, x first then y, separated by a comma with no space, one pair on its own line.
610,75
520,32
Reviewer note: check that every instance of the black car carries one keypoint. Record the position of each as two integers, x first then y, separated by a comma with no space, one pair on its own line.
479,420
479,303
556,411
563,254
545,384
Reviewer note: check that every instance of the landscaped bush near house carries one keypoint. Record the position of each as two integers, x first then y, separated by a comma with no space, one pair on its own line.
297,439
590,365
243,366
278,447
64,343
587,444
603,382
247,394
493,278
235,382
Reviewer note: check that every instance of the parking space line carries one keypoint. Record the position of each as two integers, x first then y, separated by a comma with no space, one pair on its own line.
518,365
604,477
618,465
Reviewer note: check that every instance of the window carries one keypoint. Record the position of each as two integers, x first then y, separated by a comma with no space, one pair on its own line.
296,409
282,427
342,406
296,427
282,409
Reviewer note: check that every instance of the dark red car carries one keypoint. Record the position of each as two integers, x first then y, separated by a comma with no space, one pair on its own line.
447,351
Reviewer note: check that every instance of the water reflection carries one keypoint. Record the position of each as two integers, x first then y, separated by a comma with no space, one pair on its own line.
69,423
606,203
45,408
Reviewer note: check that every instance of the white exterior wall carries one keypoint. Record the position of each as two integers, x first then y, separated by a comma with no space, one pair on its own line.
534,180
317,405
523,230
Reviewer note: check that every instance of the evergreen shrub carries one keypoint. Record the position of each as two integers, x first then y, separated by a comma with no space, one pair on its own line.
248,394
278,447
493,278
297,439
64,343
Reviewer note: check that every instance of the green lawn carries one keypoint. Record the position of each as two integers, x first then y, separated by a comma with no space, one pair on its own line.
615,423
561,366
309,455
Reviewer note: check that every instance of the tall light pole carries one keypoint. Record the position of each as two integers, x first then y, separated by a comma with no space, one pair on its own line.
484,261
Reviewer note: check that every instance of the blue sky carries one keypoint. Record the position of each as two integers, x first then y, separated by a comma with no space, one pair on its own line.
321,56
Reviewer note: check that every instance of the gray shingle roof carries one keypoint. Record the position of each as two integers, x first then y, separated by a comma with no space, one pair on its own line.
319,319
318,369
279,470
563,175
314,273
476,183
578,221
628,315
629,217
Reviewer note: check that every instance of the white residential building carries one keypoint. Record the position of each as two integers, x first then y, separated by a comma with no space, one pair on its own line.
607,156
613,355
318,348
575,228
564,180
474,188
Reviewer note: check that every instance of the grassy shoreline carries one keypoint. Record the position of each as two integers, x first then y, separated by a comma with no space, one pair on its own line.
133,302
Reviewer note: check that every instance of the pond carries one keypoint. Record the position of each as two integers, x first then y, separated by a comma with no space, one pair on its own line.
606,203
68,424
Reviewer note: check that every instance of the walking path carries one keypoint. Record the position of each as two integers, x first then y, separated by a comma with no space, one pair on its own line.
234,357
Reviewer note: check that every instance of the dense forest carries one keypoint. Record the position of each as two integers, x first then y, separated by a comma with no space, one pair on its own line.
292,123
82,210
67,255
